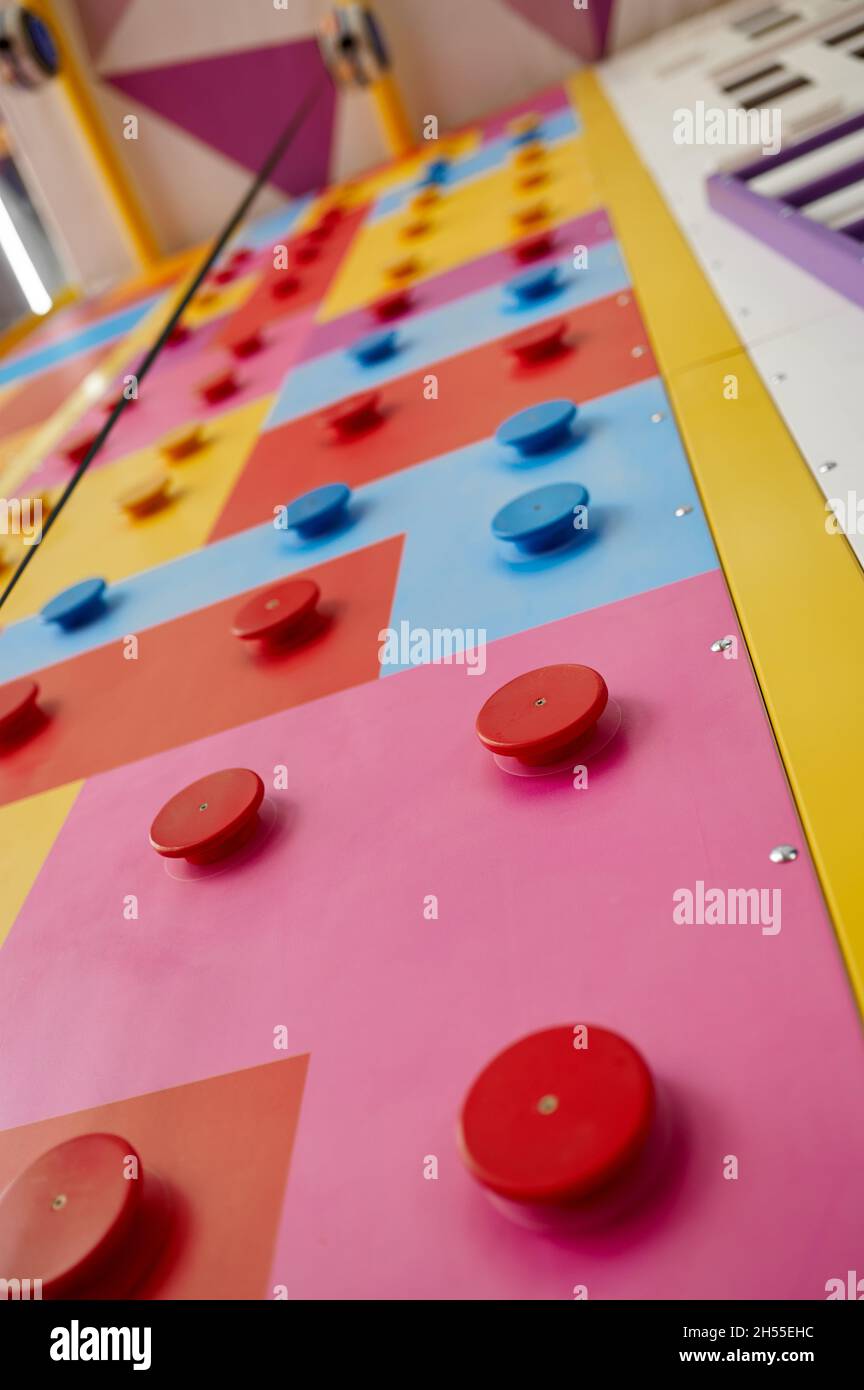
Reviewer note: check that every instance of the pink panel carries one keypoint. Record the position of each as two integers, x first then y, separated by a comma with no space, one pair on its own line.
555,905
169,397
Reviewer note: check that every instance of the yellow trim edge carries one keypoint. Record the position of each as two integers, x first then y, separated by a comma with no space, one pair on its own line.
798,590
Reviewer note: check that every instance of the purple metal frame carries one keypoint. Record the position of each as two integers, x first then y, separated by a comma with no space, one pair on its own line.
834,255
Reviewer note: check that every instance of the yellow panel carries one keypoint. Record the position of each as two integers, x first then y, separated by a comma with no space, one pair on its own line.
10,450
28,830
213,302
92,535
475,218
370,186
10,447
799,591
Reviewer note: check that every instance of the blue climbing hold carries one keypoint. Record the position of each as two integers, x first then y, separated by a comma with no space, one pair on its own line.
375,347
535,285
541,519
539,428
76,606
318,511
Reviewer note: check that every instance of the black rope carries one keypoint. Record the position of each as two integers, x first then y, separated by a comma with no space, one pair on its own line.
273,159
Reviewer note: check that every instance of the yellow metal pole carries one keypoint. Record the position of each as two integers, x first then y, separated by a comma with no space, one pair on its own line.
391,110
73,81
391,115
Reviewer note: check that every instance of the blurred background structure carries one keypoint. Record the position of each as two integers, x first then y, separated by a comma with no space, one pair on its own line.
210,83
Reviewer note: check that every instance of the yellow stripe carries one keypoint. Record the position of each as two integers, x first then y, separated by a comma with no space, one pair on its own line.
799,591
28,830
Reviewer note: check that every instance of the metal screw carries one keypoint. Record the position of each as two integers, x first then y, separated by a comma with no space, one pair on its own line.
657,417
547,1105
722,644
59,1202
637,352
683,511
778,377
541,701
826,467
272,603
623,299
783,854
203,806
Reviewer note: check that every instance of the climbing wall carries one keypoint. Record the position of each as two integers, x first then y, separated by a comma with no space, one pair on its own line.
379,701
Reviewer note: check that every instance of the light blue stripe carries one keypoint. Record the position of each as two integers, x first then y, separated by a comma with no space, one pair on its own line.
452,572
93,336
465,323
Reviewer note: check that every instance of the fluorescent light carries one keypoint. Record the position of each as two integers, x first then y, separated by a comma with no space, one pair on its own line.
23,269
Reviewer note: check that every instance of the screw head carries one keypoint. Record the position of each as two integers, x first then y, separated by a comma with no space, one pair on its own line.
637,351
826,467
657,417
722,644
683,511
547,1105
783,854
59,1202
